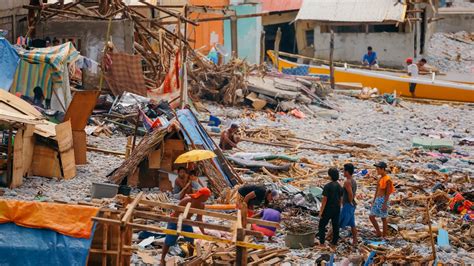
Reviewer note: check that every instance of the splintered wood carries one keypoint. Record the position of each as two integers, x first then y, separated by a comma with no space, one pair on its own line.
157,45
140,213
223,83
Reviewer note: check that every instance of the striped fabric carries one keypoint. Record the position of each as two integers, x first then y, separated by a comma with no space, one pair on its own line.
43,67
28,76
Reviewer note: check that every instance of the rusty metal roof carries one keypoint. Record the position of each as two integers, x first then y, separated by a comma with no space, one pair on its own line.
352,10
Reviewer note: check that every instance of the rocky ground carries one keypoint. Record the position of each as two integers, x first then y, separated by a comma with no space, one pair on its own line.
450,55
78,188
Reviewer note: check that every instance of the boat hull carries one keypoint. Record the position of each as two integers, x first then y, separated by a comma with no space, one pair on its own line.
424,88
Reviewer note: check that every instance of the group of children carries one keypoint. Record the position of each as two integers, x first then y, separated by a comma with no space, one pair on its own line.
339,204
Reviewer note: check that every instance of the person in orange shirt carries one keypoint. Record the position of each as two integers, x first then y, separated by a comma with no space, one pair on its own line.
381,199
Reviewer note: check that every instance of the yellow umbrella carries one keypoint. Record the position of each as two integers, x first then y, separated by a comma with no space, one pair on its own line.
194,156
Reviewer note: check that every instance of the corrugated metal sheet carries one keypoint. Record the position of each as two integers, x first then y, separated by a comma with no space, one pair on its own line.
352,10
280,5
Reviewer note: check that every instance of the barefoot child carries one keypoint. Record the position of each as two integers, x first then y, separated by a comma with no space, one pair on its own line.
348,202
381,199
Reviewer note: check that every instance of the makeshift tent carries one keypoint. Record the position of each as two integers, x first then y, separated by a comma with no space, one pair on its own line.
38,233
8,63
47,68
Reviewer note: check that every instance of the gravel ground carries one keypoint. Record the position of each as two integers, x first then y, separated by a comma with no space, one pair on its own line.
450,55
463,3
78,188
390,128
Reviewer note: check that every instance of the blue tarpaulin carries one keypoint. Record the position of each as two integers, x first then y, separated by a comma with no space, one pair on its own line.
29,246
9,60
199,137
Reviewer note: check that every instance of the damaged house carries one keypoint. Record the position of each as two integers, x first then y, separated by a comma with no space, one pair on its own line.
395,29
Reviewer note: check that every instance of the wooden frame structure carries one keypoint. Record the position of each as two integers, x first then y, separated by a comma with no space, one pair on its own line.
112,241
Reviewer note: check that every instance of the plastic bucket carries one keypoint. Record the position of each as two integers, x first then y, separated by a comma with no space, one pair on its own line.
297,241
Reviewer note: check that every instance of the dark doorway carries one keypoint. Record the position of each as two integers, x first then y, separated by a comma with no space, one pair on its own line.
422,30
288,38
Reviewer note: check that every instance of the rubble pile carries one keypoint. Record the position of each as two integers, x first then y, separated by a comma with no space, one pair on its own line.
452,52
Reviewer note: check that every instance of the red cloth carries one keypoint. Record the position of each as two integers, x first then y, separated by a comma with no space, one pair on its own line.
201,192
173,75
263,230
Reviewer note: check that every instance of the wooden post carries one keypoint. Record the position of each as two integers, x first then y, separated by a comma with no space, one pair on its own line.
184,51
128,148
433,248
277,47
104,239
242,255
10,157
107,37
233,34
331,60
262,47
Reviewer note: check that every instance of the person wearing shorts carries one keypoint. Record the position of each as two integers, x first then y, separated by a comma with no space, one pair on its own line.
380,203
197,201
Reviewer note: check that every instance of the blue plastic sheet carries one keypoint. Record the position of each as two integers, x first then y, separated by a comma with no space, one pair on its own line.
29,246
9,60
199,137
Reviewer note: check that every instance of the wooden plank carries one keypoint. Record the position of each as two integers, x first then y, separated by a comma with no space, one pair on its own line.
80,146
183,216
106,151
168,219
17,171
66,149
81,107
273,261
195,236
19,104
46,129
154,159
28,148
46,162
208,213
130,208
14,116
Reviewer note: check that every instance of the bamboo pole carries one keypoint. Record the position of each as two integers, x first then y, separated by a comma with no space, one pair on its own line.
107,37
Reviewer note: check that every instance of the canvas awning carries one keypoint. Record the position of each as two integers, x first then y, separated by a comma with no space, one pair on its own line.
352,11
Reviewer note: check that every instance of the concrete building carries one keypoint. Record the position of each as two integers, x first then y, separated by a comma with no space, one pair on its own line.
13,18
454,19
248,31
395,30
